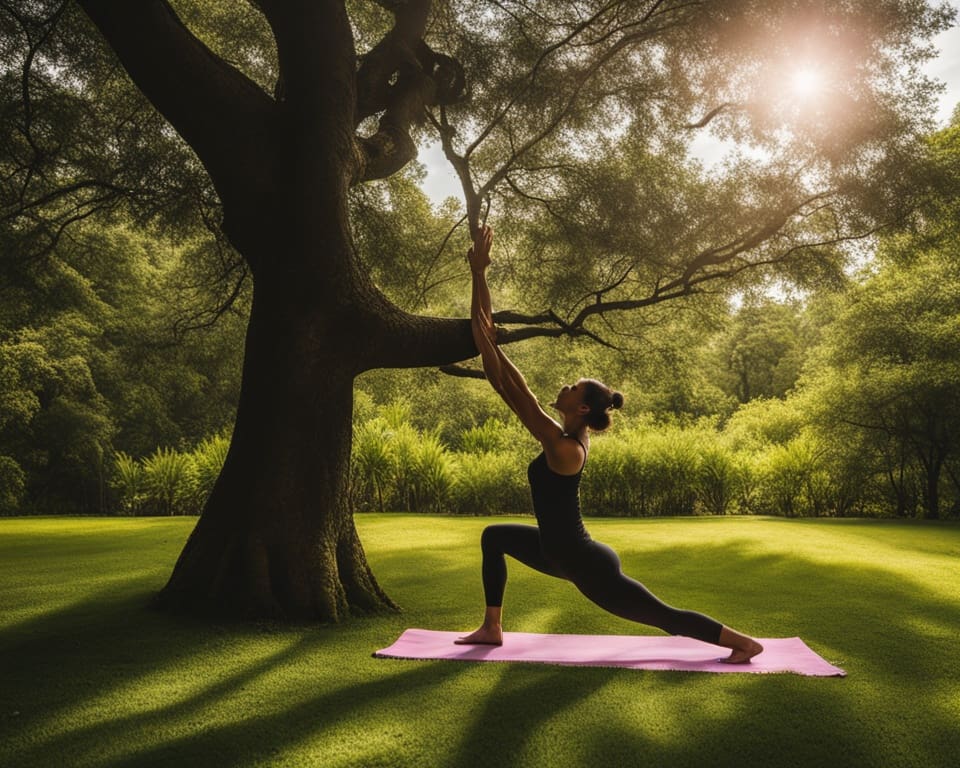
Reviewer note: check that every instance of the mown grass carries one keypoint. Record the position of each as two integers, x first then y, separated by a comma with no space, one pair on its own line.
92,677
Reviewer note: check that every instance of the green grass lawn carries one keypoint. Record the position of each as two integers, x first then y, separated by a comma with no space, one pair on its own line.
89,676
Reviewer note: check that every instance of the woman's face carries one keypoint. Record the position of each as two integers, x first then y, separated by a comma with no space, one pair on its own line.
570,397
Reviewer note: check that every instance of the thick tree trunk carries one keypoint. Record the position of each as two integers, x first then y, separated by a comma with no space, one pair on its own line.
276,539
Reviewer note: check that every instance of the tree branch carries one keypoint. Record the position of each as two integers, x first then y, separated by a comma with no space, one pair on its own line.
463,371
751,239
553,124
703,121
402,340
549,324
220,112
461,167
400,77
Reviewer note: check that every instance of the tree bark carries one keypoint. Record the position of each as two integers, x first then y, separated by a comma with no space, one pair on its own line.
276,538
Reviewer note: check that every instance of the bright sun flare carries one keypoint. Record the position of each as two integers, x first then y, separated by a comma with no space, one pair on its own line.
807,81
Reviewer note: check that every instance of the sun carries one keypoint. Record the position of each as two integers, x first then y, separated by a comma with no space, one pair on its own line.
806,82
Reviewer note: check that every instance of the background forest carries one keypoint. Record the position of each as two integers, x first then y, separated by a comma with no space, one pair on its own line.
833,392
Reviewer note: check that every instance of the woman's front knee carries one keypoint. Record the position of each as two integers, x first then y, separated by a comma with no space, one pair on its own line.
491,536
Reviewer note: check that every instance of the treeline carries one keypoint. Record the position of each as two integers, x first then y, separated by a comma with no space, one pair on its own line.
847,405
761,462
103,352
768,458
858,413
121,351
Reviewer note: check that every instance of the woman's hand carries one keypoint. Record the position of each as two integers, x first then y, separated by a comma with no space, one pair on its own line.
479,254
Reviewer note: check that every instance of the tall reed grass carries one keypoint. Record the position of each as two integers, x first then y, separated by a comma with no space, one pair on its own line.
762,461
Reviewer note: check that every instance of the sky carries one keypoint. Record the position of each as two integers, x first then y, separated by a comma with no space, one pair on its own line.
441,182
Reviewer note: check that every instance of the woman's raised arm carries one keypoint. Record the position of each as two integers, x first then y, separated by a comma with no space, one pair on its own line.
502,374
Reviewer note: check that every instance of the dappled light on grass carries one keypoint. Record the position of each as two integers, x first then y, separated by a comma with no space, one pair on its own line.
111,683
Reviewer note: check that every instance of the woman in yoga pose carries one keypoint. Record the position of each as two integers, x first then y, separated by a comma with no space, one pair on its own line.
559,545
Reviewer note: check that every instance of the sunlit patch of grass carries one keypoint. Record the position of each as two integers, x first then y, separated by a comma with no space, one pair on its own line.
92,678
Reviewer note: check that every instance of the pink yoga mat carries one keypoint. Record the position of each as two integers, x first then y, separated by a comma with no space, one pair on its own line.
780,654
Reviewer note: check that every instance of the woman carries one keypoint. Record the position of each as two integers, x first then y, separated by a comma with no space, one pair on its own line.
559,545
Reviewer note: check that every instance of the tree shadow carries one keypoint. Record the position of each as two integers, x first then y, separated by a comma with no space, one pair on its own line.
523,702
67,660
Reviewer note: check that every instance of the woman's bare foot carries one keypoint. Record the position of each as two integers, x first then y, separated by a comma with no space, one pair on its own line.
486,635
743,655
743,648
490,632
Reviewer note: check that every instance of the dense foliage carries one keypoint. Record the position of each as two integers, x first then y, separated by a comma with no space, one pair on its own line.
93,363
122,309
105,408
867,429
845,404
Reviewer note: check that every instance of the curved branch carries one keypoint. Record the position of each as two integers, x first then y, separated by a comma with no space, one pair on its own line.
461,167
400,77
219,111
703,121
378,75
47,26
389,149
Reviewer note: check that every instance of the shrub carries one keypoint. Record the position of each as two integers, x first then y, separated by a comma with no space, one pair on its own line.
674,465
432,475
489,437
208,459
127,479
404,446
719,480
395,466
789,478
490,484
169,479
13,483
606,489
761,423
372,462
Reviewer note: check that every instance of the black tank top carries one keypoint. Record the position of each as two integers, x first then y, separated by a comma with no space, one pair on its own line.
556,503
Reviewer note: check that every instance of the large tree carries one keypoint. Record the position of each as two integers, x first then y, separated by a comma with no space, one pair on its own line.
573,118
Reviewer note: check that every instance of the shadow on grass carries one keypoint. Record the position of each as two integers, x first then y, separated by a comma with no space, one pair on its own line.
519,707
895,640
67,660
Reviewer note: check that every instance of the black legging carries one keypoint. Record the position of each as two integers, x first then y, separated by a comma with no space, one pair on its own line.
595,571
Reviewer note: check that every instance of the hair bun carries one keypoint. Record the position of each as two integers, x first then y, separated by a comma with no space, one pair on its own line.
616,400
